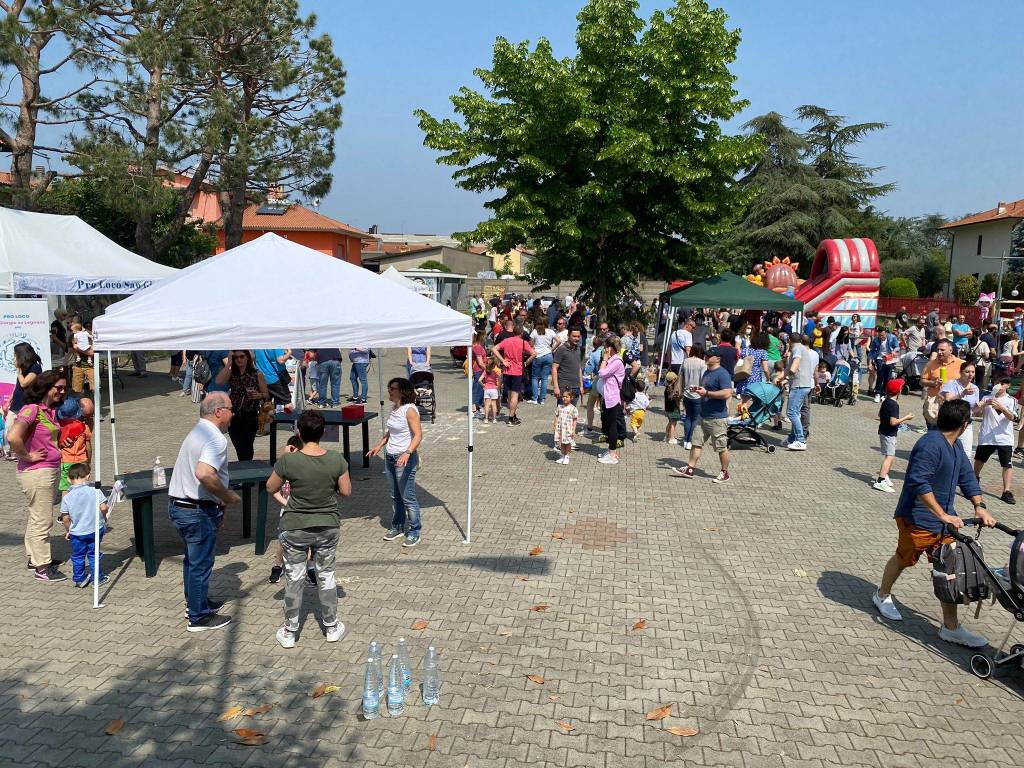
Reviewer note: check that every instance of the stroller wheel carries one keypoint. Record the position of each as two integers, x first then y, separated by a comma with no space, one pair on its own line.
840,403
770,448
981,666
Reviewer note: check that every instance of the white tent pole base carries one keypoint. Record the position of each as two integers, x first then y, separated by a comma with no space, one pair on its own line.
469,448
98,470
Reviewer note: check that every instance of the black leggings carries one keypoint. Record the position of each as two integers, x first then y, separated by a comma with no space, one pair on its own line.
613,425
242,432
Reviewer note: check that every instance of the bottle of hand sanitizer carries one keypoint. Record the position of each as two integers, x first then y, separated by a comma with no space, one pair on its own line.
159,474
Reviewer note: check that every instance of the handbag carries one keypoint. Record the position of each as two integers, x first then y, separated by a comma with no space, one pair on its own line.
931,408
744,370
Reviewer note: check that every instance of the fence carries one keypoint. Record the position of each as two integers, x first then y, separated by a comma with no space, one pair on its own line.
890,306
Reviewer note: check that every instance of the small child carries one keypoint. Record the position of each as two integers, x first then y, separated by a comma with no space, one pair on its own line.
564,426
4,409
821,377
281,497
491,381
673,403
888,428
637,408
75,436
78,513
309,358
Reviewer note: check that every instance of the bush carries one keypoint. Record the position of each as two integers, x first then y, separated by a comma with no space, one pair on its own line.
434,264
966,289
900,288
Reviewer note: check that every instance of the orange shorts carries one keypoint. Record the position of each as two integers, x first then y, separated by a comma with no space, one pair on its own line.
914,542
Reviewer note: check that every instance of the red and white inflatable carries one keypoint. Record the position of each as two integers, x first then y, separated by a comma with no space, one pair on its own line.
844,280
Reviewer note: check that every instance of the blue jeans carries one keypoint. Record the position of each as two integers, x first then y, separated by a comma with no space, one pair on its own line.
329,372
198,529
797,396
186,385
403,494
82,548
357,375
883,372
691,415
478,391
539,380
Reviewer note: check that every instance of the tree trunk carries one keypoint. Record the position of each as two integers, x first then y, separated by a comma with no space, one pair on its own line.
23,145
150,159
234,205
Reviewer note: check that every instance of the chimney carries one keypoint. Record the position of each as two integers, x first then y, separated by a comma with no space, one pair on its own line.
373,230
39,171
1001,208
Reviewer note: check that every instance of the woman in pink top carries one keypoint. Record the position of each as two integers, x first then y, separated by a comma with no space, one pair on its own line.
612,374
34,440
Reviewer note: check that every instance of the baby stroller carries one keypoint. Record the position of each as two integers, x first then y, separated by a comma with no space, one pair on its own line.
422,381
765,404
913,363
838,390
1006,584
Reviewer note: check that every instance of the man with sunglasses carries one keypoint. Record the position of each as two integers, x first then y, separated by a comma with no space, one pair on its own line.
197,495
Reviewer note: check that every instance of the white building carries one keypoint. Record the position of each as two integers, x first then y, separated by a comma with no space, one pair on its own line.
983,234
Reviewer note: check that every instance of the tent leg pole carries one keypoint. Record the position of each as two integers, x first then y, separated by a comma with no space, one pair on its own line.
113,427
97,456
380,391
469,448
664,343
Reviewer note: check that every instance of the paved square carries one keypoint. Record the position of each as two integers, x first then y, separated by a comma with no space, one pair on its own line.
756,595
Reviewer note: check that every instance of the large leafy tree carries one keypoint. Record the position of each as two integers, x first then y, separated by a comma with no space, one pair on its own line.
612,164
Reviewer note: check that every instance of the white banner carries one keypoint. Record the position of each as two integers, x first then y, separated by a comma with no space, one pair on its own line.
31,282
22,320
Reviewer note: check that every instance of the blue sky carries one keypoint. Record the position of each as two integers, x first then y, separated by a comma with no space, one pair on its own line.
943,74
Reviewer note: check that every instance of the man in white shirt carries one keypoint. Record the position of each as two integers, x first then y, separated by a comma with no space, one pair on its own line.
680,343
197,495
996,435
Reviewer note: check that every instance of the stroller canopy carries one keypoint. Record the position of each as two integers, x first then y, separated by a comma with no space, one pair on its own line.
766,401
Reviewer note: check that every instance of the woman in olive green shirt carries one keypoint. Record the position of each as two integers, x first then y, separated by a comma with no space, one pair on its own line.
310,522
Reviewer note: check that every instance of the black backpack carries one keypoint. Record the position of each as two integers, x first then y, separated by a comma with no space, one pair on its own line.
957,576
628,390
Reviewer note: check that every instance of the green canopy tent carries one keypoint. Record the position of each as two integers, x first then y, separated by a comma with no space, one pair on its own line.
727,290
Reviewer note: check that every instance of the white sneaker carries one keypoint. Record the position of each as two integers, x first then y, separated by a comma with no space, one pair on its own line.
530,402
886,607
962,636
883,486
333,634
286,637
672,441
608,459
564,460
572,447
888,482
878,398
796,445
687,446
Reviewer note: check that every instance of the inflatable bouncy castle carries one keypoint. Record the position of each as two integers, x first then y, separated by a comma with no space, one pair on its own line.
844,280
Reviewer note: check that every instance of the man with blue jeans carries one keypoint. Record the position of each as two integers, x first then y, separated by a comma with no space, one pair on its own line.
328,368
360,360
802,364
197,495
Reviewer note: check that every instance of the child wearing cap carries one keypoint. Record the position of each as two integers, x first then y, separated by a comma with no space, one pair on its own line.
672,404
889,421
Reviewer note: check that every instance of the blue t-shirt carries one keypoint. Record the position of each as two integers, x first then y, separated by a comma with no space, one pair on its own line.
963,328
714,381
80,505
809,327
266,362
18,396
935,466
215,359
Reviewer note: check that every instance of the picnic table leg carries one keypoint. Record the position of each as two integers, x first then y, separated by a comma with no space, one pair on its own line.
261,520
246,511
273,441
345,442
148,548
137,525
366,444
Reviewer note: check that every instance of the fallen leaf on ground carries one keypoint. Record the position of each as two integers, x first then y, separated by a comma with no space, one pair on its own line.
406,551
958,700
641,624
252,741
323,689
420,624
261,709
538,679
521,578
566,727
710,529
113,727
540,607
230,714
799,572
660,713
246,733
432,742
554,697
493,663
506,633
571,510
536,551
677,730
557,535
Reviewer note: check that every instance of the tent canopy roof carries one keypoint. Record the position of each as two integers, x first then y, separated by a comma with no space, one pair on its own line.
269,293
731,290
45,253
398,278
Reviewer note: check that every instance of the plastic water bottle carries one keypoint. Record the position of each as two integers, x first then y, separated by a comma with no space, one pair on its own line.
396,688
405,661
371,690
431,678
375,656
159,474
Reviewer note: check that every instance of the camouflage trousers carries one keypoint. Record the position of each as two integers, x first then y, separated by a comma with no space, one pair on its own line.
294,548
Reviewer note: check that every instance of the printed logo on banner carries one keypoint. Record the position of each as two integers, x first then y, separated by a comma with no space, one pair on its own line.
22,320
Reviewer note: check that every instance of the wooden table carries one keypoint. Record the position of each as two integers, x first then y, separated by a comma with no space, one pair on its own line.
138,487
332,419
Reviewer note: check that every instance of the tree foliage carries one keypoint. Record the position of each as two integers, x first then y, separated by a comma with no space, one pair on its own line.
612,164
966,289
435,264
900,287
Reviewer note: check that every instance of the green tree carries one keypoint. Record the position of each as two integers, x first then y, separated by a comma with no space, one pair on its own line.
900,287
966,289
435,264
613,164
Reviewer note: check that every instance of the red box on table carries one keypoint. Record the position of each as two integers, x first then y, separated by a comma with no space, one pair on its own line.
352,411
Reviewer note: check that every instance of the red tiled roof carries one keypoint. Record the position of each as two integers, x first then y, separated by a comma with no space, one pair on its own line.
392,249
5,178
1013,210
478,249
297,217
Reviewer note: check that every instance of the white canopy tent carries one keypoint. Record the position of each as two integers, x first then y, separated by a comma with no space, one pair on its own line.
49,254
227,302
398,278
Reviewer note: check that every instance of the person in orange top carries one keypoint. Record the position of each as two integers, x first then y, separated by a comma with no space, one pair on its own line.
944,367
